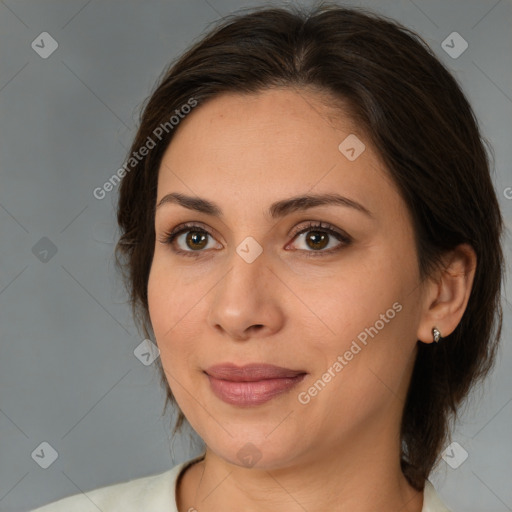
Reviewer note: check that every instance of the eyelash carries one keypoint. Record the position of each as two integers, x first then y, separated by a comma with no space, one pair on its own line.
169,237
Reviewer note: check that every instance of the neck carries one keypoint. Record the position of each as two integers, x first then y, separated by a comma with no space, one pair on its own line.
363,475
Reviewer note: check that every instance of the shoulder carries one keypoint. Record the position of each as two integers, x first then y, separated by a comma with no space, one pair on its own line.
432,501
154,493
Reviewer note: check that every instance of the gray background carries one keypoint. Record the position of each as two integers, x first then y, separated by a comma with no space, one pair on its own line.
68,373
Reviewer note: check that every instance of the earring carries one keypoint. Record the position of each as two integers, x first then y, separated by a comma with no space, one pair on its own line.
436,334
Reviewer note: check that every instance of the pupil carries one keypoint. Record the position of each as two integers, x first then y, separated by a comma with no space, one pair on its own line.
195,237
320,237
198,239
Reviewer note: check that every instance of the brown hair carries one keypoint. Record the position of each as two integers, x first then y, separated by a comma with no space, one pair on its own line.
413,112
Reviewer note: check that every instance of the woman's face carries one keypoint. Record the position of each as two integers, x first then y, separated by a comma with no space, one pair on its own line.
340,310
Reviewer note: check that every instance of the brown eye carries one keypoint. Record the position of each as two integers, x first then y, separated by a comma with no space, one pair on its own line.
317,237
196,240
192,244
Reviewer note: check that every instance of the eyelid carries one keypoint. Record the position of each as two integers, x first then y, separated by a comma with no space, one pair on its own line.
321,226
187,226
169,237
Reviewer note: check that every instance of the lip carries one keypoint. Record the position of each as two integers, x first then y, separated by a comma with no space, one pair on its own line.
251,372
252,384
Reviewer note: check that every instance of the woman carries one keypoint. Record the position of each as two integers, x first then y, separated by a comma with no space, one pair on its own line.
311,235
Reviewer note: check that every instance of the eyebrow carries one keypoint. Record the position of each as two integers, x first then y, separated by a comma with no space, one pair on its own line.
277,210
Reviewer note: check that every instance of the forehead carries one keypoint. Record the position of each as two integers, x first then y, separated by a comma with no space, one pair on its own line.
269,145
298,118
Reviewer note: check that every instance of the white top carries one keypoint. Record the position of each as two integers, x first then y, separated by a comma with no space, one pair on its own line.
157,493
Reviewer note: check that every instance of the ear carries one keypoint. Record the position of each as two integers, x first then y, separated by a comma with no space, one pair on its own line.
446,295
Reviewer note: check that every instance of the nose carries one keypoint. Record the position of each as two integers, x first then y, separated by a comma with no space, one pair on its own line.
248,301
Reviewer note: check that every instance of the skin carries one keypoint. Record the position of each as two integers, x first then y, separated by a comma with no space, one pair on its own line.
341,450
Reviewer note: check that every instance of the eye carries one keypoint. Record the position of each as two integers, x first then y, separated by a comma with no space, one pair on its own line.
318,236
194,238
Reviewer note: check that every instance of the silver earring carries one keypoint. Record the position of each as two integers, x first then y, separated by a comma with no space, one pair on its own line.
436,334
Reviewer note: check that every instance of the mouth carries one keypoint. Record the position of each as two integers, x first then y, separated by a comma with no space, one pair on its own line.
252,384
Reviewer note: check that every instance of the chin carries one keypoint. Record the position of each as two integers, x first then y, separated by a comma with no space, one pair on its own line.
256,450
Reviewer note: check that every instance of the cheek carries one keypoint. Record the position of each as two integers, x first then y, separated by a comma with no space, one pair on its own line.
355,294
158,300
169,298
174,303
377,332
165,304
367,301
